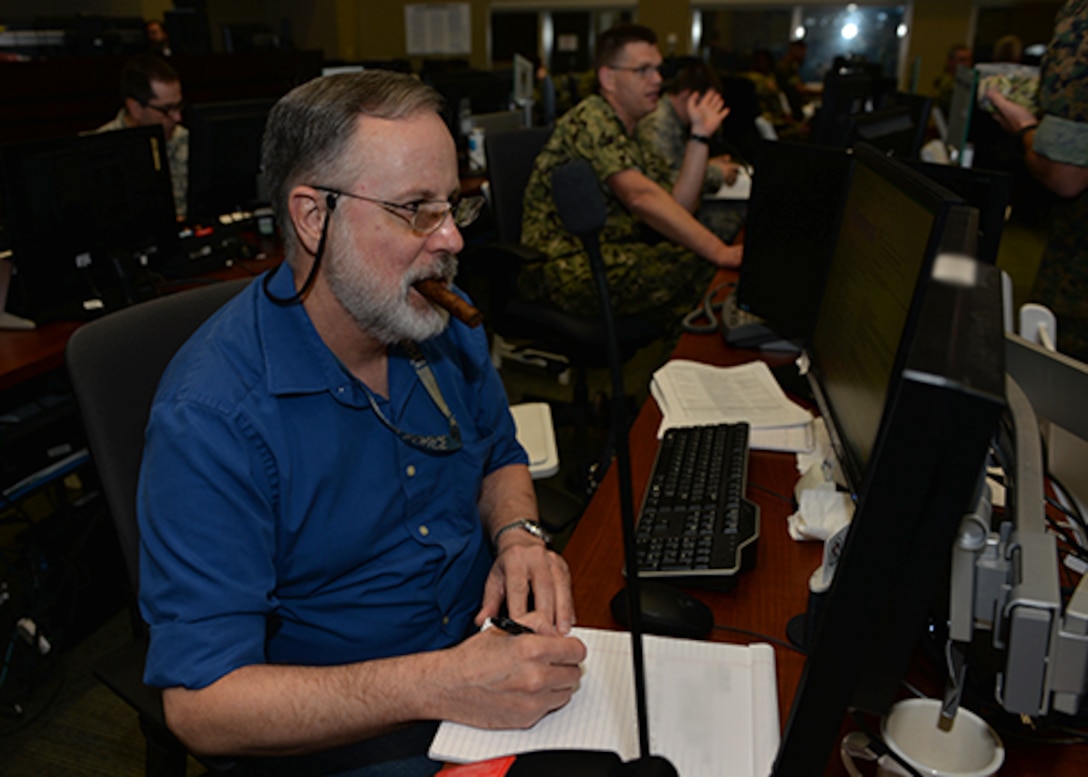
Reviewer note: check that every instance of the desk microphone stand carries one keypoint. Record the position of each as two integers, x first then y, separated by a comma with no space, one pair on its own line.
577,196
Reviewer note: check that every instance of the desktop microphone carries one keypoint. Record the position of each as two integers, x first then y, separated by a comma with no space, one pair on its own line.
581,207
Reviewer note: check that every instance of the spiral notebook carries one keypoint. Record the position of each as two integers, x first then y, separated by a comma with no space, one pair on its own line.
709,704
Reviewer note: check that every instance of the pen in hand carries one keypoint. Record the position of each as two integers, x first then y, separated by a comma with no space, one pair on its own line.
510,626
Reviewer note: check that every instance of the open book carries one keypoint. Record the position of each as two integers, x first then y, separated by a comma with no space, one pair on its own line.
709,704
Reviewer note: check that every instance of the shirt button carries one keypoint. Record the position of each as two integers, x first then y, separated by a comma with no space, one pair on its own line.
411,470
340,390
445,620
424,531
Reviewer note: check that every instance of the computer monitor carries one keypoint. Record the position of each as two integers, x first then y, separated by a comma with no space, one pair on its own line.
987,191
895,221
81,210
225,156
846,93
924,473
890,129
798,191
468,92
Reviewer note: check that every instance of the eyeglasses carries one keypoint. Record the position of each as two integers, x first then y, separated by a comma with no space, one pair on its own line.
424,216
642,71
166,110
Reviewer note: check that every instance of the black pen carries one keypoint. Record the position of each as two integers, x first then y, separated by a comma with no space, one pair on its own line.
511,626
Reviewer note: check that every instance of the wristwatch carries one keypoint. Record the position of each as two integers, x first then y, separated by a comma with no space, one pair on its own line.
532,527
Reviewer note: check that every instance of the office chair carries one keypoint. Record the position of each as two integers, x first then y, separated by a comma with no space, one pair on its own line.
115,364
492,276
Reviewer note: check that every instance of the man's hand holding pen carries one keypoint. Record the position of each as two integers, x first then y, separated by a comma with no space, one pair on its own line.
512,680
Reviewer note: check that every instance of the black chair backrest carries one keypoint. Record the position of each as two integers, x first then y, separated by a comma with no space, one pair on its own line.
115,364
510,158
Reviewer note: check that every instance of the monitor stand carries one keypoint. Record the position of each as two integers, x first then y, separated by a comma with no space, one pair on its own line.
9,320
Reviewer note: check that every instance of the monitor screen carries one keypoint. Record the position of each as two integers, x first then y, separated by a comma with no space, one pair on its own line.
893,225
798,191
225,156
80,211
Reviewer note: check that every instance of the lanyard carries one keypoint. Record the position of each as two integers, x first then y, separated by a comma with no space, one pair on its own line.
446,443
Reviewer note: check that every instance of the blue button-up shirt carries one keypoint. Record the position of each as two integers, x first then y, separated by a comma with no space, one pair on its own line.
282,522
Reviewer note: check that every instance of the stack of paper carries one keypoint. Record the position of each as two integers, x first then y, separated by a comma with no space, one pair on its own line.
693,394
713,709
740,189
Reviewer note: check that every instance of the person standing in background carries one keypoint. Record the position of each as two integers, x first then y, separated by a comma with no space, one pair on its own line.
1055,146
946,83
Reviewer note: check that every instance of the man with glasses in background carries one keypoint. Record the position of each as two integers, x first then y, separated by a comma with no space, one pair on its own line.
658,257
332,498
151,90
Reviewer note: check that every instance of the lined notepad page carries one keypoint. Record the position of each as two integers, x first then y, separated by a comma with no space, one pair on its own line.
709,704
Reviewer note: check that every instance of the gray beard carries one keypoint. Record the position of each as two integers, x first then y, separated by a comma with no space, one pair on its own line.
388,318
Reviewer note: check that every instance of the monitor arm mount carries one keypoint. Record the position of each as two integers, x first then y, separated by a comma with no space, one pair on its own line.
1004,580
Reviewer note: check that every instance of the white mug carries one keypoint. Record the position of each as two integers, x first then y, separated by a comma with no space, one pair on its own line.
970,748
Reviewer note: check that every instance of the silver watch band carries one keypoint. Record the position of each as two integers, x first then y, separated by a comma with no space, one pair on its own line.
532,527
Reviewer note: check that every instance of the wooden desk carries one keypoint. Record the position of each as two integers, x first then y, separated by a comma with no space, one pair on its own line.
25,355
766,597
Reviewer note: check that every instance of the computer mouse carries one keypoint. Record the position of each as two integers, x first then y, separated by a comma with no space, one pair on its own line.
666,610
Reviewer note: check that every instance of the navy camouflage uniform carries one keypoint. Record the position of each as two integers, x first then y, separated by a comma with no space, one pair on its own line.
664,131
1062,280
646,273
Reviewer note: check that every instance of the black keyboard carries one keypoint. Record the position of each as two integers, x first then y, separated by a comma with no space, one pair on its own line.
695,526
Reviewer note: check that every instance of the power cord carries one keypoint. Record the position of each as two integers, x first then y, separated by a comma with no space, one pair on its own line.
705,319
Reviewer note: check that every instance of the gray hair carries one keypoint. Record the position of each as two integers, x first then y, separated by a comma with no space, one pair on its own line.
309,129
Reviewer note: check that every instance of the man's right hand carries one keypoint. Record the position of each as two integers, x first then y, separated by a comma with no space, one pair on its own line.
498,680
707,111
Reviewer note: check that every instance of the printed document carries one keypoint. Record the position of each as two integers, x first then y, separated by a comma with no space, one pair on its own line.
694,394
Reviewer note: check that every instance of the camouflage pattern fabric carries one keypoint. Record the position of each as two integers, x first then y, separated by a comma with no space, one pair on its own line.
1062,281
663,130
645,273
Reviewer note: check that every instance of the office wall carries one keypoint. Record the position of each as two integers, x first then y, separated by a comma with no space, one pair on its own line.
668,18
937,25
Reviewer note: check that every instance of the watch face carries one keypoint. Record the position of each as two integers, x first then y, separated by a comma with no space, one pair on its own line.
537,530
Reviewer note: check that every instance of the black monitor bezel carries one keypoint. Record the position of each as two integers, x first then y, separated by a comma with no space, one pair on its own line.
927,467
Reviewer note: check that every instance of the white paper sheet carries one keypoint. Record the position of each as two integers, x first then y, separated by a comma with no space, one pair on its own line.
709,704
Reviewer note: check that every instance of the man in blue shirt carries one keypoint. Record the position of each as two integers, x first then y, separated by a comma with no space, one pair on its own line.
331,484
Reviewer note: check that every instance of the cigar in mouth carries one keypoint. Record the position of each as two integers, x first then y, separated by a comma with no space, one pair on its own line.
438,293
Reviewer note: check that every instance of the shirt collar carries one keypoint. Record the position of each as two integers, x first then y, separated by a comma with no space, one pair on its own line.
296,359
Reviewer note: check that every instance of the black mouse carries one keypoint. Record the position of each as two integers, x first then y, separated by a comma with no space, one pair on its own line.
667,611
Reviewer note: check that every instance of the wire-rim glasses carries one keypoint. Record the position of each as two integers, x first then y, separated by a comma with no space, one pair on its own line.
423,216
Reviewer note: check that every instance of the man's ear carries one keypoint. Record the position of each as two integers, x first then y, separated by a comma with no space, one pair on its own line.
133,108
606,79
307,210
